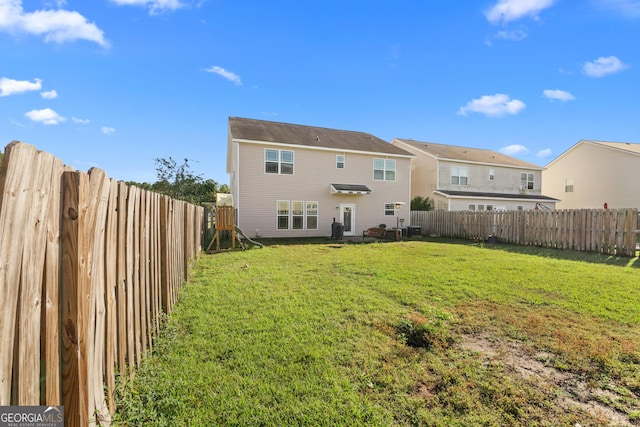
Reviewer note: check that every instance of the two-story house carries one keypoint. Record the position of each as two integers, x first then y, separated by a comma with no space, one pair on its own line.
592,173
462,178
290,180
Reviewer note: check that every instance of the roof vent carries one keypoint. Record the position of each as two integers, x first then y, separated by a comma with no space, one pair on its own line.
317,138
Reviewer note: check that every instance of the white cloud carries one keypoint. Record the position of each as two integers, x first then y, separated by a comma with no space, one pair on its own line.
13,87
80,121
154,6
51,94
107,130
546,153
55,25
558,94
515,36
45,116
604,66
493,105
226,74
514,150
511,10
629,8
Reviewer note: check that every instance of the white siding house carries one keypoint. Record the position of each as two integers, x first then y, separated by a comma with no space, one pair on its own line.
462,178
290,180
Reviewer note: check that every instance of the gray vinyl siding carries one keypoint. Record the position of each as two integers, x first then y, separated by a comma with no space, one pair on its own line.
507,180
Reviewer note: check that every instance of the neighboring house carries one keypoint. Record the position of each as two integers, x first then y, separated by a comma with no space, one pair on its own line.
461,178
592,173
291,180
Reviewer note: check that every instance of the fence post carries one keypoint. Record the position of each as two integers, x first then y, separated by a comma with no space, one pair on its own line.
164,254
74,301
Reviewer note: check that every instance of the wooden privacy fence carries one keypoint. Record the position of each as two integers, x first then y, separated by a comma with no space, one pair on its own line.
609,231
87,267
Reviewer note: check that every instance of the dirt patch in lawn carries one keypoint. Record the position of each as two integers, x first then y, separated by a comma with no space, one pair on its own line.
572,391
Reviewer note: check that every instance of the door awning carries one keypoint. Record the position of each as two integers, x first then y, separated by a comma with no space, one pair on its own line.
355,189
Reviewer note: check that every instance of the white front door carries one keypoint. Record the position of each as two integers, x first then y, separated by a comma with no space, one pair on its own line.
348,218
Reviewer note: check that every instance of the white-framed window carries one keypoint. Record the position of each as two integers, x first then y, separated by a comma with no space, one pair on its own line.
297,215
389,209
278,161
492,174
480,207
459,175
384,169
489,207
526,181
520,208
568,185
340,161
312,215
472,207
283,209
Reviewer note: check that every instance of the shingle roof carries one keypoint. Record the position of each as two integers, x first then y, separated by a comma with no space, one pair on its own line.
350,188
467,154
496,195
626,146
286,133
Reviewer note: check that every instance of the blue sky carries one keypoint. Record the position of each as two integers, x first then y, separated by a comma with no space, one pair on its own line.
117,83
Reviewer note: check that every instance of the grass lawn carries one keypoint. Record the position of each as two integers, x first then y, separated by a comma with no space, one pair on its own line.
423,332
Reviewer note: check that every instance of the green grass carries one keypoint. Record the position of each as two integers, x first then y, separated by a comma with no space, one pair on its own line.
330,334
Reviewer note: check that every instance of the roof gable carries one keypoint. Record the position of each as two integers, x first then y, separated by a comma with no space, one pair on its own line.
466,154
310,136
624,146
627,147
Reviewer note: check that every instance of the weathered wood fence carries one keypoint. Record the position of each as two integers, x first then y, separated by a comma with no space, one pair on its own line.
87,267
609,231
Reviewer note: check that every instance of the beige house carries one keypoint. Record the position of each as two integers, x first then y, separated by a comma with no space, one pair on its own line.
291,180
462,178
592,173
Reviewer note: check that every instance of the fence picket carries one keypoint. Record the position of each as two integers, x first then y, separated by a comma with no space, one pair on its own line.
607,231
14,202
82,262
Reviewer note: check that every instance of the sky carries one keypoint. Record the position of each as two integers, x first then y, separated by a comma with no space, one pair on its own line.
116,84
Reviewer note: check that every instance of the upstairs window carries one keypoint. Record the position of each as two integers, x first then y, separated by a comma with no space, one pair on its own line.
384,169
459,175
526,181
278,161
568,185
340,161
